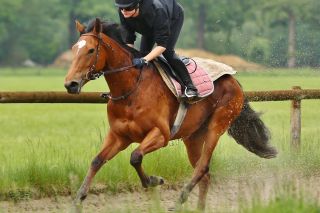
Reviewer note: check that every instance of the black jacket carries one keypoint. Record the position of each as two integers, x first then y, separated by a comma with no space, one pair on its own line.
155,19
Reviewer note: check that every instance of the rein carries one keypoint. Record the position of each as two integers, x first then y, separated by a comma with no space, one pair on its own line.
93,74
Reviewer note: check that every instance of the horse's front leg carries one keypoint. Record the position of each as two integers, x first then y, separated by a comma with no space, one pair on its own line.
153,141
112,145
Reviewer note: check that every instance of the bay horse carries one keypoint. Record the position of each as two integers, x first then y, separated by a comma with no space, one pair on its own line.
142,109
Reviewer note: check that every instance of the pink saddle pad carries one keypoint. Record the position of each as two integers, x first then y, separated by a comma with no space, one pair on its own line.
200,79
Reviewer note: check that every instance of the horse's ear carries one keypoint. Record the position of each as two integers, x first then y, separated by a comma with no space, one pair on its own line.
80,27
97,26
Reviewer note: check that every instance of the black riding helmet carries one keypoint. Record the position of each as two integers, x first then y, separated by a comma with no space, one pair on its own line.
126,3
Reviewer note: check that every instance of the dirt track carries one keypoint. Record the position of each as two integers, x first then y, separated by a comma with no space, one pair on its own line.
224,196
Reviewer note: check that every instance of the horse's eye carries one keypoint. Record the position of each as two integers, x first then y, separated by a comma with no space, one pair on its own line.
91,51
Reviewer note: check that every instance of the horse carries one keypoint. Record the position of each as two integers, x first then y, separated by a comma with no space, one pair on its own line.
142,109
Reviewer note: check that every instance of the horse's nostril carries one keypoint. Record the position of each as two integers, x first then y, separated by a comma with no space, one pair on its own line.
72,87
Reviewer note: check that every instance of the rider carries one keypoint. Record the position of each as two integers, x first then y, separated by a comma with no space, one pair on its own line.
160,22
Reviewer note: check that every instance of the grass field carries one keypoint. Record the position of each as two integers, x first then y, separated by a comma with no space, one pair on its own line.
45,149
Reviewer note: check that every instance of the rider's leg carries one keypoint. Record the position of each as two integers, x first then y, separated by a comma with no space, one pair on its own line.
175,61
181,70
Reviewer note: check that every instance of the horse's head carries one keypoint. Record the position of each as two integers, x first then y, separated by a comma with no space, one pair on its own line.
89,56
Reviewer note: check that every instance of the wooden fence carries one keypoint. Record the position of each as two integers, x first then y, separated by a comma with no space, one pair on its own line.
295,95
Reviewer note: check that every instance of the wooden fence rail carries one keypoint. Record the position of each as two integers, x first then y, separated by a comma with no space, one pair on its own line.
94,97
295,95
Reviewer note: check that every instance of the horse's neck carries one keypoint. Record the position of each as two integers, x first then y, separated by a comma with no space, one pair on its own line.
117,55
120,82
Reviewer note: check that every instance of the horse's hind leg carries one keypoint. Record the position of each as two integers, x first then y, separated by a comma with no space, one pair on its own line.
112,146
153,141
217,125
194,146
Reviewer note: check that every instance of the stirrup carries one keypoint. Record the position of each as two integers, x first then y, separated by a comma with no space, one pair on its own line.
190,96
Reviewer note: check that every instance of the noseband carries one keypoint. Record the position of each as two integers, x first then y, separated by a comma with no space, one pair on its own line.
93,74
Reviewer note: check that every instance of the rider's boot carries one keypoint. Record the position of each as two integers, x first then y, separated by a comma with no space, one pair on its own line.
190,90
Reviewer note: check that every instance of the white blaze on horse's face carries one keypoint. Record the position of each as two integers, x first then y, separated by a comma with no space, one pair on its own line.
74,79
80,45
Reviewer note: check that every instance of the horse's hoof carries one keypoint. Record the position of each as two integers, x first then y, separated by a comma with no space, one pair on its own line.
83,197
155,181
183,196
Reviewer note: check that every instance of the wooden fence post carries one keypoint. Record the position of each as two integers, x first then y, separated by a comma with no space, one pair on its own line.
296,121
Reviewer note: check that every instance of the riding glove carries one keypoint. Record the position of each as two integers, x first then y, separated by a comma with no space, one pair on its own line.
139,62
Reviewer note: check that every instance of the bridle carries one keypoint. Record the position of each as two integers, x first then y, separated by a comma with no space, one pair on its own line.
93,74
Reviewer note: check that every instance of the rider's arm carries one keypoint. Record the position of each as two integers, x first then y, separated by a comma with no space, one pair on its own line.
157,51
161,34
161,29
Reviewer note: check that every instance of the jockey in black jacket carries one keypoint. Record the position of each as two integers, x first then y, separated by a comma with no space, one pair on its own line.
160,22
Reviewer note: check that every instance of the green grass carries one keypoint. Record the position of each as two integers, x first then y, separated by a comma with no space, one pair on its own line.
285,204
41,79
45,149
280,79
286,198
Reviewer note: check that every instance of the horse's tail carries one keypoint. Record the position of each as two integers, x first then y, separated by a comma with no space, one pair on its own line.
249,131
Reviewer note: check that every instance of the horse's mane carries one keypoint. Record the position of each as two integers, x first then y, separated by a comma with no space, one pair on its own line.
114,31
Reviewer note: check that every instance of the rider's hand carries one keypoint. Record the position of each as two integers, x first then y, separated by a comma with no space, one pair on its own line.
139,62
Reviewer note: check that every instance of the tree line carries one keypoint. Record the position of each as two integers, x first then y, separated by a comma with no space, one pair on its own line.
276,33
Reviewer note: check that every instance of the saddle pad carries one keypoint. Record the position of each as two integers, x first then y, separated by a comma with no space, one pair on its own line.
200,78
203,73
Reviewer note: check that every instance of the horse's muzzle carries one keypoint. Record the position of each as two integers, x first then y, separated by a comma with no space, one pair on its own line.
73,87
